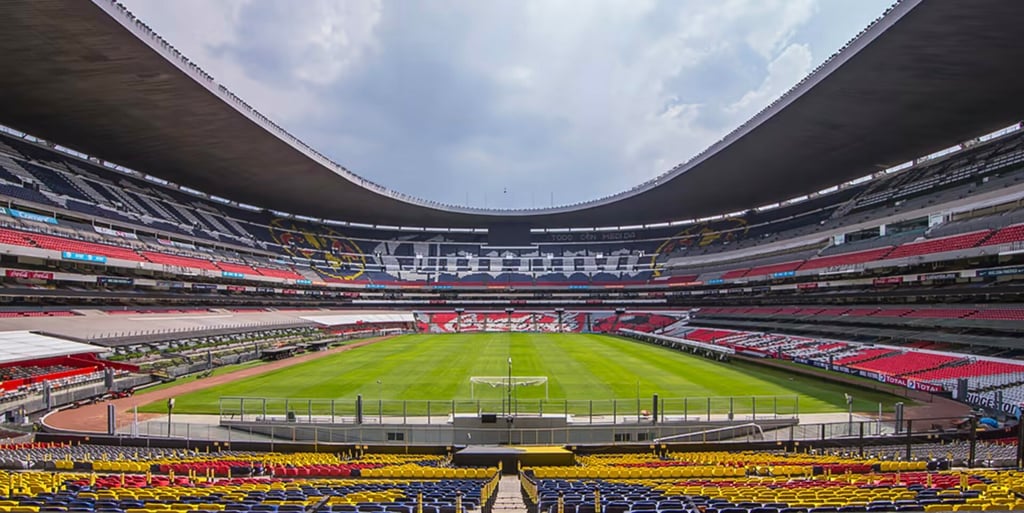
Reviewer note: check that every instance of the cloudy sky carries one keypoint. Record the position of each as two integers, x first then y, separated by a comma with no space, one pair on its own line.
508,103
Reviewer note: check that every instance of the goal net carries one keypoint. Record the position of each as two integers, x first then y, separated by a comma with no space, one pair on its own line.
506,381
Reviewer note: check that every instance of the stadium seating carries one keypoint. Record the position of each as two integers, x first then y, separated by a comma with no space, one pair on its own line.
769,270
39,240
113,479
1014,233
999,314
968,314
869,353
749,482
907,363
140,205
180,261
967,240
973,369
846,259
708,335
597,322
941,313
235,268
286,274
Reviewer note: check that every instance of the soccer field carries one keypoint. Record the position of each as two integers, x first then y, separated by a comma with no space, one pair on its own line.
579,369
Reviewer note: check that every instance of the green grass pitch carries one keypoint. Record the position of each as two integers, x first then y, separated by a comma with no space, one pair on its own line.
580,369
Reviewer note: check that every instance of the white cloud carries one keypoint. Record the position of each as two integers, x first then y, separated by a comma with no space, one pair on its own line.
590,98
784,72
322,40
610,82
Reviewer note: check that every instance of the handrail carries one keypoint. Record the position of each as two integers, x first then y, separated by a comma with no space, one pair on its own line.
706,431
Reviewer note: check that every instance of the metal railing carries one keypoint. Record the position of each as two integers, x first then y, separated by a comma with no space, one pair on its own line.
612,411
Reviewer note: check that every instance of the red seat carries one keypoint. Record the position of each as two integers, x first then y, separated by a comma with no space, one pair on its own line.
858,257
1014,233
942,244
179,261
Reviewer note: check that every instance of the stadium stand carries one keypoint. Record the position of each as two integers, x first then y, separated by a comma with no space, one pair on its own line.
460,258
943,220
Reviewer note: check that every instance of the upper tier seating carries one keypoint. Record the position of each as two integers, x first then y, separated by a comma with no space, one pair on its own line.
1014,233
92,190
735,273
858,257
287,274
236,268
967,314
941,313
53,243
179,261
768,270
952,243
892,312
999,314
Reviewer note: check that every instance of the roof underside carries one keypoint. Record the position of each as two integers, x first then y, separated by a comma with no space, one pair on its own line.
928,76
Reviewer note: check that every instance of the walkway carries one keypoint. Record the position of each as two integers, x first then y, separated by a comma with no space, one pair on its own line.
510,496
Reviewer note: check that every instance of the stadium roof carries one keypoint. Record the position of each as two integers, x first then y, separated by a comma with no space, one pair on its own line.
22,346
926,76
358,318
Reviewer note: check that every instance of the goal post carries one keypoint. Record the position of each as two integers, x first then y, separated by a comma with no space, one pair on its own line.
506,381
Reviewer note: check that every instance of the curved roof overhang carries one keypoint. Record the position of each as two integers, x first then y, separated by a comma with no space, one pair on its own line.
926,76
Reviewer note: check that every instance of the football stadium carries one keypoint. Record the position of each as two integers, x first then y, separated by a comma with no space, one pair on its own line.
822,312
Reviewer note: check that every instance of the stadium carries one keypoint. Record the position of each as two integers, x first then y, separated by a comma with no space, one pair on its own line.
819,313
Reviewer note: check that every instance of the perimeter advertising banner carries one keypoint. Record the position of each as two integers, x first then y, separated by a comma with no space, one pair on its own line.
988,401
28,216
114,280
28,275
909,383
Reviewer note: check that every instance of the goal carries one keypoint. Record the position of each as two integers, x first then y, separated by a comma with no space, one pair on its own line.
506,381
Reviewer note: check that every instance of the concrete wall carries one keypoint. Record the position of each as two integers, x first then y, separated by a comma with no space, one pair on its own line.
521,431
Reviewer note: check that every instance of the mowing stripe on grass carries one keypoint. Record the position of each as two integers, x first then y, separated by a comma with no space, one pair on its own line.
579,368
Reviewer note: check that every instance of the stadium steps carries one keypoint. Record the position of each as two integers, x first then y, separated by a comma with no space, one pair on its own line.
509,498
126,200
211,219
14,168
189,217
239,229
87,191
871,358
156,207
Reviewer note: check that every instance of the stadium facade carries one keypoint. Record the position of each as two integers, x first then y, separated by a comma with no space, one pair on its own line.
859,216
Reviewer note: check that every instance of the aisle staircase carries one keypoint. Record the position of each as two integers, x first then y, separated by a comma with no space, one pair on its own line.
509,498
